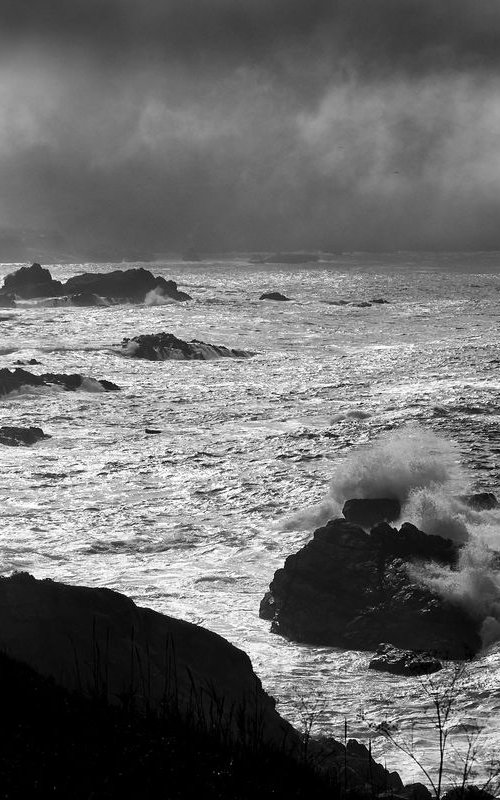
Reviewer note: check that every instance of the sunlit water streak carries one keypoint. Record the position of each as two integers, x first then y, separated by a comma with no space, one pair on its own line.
190,521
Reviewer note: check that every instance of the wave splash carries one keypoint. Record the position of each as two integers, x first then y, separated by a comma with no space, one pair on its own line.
423,471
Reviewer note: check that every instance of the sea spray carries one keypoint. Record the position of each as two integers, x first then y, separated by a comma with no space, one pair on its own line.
397,464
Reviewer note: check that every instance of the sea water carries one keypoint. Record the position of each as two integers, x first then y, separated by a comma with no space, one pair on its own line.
253,454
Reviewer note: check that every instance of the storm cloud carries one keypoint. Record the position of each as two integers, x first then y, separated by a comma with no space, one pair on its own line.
251,124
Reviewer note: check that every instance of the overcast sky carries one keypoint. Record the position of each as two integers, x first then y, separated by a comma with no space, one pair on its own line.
252,124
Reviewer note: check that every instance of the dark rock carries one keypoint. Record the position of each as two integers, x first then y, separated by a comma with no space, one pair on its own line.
404,662
468,793
99,643
380,301
12,381
363,304
338,302
152,430
368,511
13,437
32,362
164,346
352,589
7,301
482,501
29,282
130,284
273,296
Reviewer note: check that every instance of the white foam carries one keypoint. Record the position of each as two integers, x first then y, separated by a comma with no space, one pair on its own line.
155,297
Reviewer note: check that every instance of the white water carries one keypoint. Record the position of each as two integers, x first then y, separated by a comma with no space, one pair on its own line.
254,453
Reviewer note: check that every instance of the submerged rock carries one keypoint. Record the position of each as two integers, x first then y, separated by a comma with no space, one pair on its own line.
273,296
369,511
404,662
7,301
29,282
18,378
164,346
130,284
352,589
13,436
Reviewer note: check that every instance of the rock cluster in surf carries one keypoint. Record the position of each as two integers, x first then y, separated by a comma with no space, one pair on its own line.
87,289
16,379
164,346
353,589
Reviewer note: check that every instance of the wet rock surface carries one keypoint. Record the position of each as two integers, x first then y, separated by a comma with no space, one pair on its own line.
165,346
274,296
89,288
404,662
15,436
353,589
16,379
368,512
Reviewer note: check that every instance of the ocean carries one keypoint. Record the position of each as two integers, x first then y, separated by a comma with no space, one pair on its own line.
253,454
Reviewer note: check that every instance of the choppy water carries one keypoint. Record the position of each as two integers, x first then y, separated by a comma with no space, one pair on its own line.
194,521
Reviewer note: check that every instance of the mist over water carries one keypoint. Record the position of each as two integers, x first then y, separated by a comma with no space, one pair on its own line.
253,454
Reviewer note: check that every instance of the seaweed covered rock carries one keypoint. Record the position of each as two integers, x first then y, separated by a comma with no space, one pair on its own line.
481,501
16,379
130,284
15,436
29,282
353,589
404,662
164,346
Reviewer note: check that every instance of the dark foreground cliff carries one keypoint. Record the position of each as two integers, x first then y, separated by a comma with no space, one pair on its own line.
102,699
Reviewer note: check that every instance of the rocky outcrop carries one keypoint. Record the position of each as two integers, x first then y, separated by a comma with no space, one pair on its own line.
404,662
16,379
99,643
352,589
274,296
89,288
126,285
164,346
29,282
482,501
13,437
368,512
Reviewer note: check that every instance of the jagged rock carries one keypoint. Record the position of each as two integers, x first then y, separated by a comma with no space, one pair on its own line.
129,284
12,381
13,436
164,346
29,282
380,301
369,511
482,501
32,362
273,296
352,589
404,662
